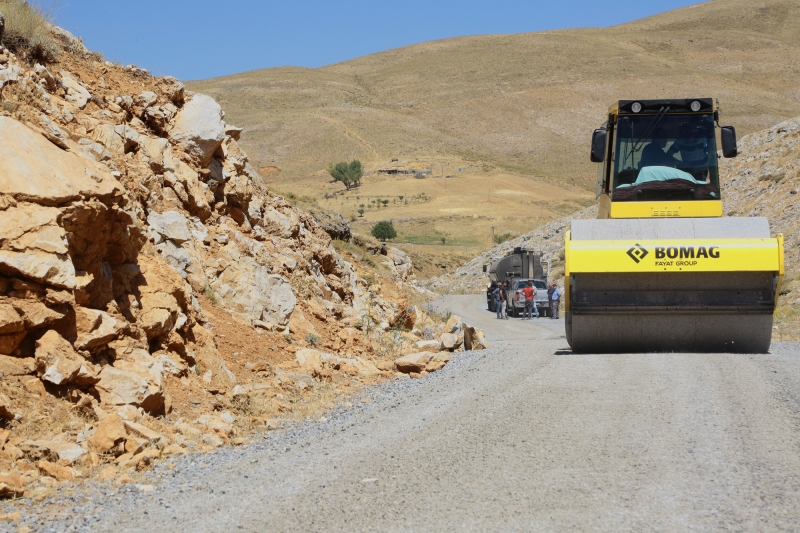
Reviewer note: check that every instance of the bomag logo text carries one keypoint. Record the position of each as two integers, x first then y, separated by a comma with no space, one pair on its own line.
687,252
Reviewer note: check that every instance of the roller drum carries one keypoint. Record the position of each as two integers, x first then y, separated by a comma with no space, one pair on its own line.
671,311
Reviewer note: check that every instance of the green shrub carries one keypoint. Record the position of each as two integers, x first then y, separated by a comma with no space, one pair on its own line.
384,230
500,239
312,339
27,31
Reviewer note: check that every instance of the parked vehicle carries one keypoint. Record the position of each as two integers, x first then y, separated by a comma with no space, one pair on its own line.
520,264
516,304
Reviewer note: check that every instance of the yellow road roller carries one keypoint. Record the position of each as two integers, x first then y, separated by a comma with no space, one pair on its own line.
661,270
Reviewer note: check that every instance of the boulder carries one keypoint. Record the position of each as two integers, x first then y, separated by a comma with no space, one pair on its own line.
248,288
171,225
137,380
199,128
108,433
11,485
55,470
58,363
429,346
437,362
53,133
10,342
413,362
11,366
309,360
52,176
95,328
10,320
76,92
400,263
453,324
276,223
450,341
474,338
50,269
6,409
333,224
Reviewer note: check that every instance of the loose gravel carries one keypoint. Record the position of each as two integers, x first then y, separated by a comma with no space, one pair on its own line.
523,436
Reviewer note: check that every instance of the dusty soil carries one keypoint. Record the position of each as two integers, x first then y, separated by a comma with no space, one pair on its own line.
524,436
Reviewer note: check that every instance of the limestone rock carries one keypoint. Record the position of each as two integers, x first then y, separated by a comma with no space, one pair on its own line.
400,263
277,223
108,433
10,320
137,380
52,176
199,128
450,341
6,409
76,92
171,225
11,485
413,362
51,269
333,224
309,360
248,288
474,338
58,363
429,345
12,366
453,325
95,328
10,342
53,133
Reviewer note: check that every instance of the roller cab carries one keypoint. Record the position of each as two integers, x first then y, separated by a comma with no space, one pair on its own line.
662,270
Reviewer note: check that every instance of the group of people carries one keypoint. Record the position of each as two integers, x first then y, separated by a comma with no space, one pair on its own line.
528,297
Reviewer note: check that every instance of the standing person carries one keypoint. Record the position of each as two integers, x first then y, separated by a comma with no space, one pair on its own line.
530,302
496,296
556,300
504,301
551,288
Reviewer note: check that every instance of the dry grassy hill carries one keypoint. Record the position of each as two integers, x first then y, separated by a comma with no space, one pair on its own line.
507,107
522,101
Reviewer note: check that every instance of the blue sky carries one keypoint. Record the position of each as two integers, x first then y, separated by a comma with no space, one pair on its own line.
202,38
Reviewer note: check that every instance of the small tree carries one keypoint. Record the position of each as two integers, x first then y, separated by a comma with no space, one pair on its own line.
384,230
349,174
361,212
444,240
385,202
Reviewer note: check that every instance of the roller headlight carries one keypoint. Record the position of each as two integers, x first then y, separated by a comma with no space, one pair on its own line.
695,106
636,107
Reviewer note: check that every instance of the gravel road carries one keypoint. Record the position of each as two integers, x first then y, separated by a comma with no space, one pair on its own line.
523,436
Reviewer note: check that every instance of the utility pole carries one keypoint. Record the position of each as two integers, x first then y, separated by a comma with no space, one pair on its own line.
492,234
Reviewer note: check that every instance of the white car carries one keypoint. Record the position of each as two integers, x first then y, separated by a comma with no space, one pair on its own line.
516,303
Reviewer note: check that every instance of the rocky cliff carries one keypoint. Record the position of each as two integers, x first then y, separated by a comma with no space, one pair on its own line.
155,296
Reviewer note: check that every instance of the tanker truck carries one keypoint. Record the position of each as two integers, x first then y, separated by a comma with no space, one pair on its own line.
517,268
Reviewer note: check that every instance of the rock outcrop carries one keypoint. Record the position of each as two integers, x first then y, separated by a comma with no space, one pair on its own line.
128,214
